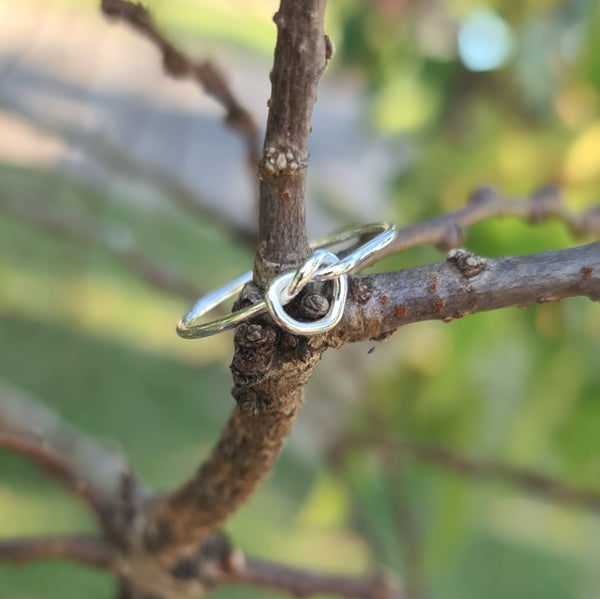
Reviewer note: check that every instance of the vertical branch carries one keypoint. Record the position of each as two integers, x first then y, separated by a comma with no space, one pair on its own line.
300,58
269,370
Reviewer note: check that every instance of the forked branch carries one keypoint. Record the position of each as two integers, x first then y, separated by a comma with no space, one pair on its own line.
168,550
213,572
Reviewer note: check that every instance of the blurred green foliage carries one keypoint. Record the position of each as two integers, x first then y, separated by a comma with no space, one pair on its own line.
519,386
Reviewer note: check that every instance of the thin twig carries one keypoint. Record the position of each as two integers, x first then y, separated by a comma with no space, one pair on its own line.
448,231
118,245
82,549
95,473
61,470
301,56
178,65
525,479
304,583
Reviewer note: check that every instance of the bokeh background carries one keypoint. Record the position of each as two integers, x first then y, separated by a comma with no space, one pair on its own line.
424,101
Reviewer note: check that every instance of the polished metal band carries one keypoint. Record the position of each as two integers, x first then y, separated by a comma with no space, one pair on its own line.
323,265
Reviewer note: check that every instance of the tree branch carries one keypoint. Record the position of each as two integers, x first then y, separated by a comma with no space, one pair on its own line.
173,549
82,549
303,583
269,370
178,65
448,231
59,469
300,58
464,284
118,245
97,474
527,480
244,456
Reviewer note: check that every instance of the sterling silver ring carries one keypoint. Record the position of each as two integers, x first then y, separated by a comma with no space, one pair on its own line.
286,286
277,295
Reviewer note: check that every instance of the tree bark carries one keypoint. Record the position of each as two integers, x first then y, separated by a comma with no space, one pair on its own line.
269,368
446,291
300,59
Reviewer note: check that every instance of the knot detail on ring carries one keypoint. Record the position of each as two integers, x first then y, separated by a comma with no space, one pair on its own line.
286,286
323,265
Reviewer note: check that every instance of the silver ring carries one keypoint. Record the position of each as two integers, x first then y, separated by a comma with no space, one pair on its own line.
278,293
304,273
190,326
361,254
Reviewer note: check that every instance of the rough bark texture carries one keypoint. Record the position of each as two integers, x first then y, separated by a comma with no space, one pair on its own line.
465,284
300,59
270,367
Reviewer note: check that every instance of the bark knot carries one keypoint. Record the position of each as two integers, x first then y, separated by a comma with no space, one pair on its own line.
280,161
468,264
360,290
314,305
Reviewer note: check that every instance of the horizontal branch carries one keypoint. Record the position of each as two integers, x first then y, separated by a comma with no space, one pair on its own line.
85,234
464,284
448,231
545,487
304,583
82,549
178,65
